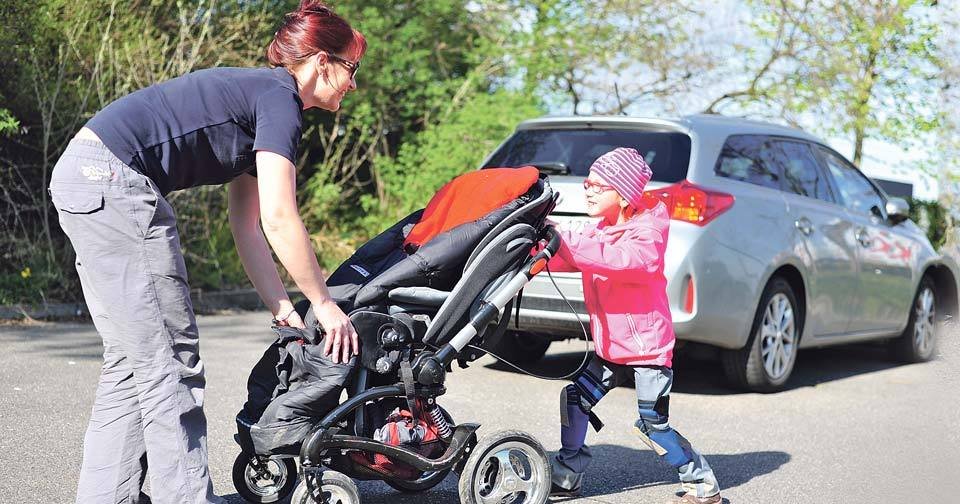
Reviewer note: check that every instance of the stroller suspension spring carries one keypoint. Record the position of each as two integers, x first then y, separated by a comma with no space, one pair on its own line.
436,416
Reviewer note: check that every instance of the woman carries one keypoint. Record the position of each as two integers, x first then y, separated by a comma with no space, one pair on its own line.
213,126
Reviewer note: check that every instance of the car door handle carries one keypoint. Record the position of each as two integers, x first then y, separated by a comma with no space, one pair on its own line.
863,237
804,225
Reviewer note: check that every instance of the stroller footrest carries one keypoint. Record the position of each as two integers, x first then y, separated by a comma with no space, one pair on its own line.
460,440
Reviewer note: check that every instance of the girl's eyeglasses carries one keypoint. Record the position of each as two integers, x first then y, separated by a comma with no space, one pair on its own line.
596,188
353,66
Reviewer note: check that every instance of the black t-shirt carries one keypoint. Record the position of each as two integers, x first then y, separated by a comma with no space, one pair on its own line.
204,127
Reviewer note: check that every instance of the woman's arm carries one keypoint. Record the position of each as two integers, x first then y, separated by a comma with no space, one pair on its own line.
280,217
244,211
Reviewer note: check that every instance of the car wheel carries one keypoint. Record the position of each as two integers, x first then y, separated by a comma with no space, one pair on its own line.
767,360
919,340
520,347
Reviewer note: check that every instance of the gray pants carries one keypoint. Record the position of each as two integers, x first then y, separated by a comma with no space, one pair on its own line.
653,384
148,409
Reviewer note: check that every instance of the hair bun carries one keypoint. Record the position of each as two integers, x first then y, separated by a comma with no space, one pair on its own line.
314,7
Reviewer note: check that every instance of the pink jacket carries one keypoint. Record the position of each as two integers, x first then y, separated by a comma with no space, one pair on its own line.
624,287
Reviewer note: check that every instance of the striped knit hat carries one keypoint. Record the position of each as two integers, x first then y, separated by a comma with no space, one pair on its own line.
625,170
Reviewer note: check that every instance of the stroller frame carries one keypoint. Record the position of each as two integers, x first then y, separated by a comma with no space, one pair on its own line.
429,374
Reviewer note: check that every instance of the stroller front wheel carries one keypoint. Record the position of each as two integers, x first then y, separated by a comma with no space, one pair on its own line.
261,480
507,466
334,488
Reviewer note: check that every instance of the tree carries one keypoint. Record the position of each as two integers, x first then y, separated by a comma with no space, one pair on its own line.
858,68
947,139
598,57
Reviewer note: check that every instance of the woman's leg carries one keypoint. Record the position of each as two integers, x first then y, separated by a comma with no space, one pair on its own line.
653,385
125,237
117,474
576,401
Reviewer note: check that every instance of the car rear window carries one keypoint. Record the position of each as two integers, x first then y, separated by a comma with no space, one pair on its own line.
667,153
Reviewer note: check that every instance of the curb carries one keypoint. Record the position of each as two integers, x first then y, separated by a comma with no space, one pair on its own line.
204,302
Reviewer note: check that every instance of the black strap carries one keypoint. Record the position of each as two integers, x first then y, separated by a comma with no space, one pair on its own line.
595,421
406,374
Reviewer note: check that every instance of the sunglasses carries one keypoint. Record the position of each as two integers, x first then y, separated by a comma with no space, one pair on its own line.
595,187
353,66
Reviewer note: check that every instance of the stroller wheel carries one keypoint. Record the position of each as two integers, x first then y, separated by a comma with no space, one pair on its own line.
264,479
335,488
508,466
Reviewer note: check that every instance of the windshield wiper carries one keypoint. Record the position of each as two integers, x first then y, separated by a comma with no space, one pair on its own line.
552,167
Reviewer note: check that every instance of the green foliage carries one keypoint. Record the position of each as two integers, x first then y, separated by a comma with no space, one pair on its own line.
875,75
443,82
9,125
441,152
932,217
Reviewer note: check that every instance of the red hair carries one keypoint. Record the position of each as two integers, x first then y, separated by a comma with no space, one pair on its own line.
312,28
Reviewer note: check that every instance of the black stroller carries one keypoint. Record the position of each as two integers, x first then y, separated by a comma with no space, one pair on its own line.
425,293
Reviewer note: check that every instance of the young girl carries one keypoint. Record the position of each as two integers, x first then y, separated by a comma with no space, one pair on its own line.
621,258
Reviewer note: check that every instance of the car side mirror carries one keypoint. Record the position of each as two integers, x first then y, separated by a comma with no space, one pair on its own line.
898,210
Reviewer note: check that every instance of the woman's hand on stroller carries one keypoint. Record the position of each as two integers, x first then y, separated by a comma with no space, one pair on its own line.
341,338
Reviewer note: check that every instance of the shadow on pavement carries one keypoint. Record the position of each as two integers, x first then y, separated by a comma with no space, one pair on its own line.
642,469
813,367
639,469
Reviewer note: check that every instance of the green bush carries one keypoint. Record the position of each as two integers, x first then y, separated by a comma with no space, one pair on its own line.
932,217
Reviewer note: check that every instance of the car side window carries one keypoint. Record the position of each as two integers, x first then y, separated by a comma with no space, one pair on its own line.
801,174
857,193
746,158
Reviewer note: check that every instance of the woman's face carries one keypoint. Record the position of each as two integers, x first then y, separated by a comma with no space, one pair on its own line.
602,199
335,77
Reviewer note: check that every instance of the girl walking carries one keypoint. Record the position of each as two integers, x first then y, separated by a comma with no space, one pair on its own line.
621,259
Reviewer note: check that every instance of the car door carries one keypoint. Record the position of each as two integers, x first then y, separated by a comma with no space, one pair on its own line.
886,278
823,237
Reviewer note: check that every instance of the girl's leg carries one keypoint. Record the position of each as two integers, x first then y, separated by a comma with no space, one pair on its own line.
653,400
576,401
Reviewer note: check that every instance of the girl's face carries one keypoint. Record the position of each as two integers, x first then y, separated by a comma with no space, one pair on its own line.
602,199
335,77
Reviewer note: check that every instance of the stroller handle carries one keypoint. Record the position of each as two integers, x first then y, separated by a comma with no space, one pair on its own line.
493,305
540,260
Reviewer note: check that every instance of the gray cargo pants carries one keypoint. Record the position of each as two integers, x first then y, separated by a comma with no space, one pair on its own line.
148,409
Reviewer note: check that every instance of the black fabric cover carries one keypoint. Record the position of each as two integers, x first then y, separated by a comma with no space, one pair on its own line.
291,386
507,254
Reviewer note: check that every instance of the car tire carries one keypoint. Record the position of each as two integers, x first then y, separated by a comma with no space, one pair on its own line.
766,362
520,347
918,342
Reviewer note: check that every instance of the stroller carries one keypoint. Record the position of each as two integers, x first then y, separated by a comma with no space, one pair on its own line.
430,290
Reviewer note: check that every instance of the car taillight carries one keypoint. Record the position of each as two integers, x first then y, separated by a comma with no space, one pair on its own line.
691,203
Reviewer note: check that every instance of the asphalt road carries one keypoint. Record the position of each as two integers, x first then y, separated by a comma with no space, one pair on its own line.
853,427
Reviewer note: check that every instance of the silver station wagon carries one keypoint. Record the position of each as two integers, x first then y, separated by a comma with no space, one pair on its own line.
776,243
